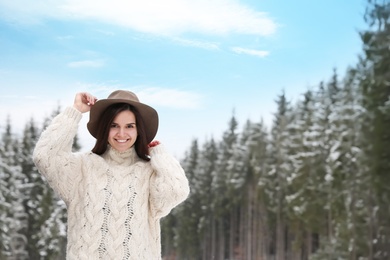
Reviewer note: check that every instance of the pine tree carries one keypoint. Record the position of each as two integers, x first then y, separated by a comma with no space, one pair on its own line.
5,194
205,172
35,188
375,86
222,201
12,214
188,214
303,180
275,180
352,225
250,156
238,175
332,129
257,145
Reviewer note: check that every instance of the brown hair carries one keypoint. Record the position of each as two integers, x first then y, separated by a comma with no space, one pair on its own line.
104,125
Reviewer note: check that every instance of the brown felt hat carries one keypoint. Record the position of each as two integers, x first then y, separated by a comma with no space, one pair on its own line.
148,114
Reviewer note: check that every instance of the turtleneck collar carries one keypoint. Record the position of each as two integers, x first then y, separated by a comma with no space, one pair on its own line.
116,157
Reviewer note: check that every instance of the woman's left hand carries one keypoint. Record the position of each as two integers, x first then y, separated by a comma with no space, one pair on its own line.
153,143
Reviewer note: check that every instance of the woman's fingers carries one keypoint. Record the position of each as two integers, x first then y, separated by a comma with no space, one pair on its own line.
84,101
154,143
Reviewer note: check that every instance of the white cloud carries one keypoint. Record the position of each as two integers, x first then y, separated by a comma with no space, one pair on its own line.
169,17
257,53
86,64
172,98
153,96
197,44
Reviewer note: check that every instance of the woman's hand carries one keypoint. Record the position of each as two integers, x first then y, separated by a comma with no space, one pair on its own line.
153,144
83,101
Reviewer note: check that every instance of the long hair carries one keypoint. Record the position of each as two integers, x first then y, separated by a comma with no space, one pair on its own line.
104,125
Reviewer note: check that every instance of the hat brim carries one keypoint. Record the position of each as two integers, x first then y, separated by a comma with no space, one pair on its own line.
149,116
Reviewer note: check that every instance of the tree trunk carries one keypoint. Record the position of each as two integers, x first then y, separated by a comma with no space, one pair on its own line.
233,232
280,238
213,239
330,226
308,243
371,226
240,252
207,241
221,239
249,221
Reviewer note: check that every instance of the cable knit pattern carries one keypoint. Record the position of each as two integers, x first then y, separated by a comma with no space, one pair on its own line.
115,201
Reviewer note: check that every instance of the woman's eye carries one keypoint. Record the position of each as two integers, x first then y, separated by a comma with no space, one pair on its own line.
113,126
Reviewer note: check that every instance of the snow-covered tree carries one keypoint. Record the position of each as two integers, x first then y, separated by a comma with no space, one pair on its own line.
13,218
375,87
187,215
275,181
205,172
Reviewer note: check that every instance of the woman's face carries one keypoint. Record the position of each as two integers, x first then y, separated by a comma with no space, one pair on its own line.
123,131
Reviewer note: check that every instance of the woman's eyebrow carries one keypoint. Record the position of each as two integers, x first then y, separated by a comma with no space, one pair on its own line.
132,123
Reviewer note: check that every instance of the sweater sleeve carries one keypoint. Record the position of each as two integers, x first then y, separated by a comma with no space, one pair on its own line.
168,185
53,152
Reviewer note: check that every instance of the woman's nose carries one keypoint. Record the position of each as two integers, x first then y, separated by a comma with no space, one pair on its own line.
121,131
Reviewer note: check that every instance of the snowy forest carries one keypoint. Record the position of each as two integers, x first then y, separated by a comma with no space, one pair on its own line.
313,185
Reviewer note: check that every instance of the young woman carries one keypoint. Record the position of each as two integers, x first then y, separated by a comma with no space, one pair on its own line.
117,193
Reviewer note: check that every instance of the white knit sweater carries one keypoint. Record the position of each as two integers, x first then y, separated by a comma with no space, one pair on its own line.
114,201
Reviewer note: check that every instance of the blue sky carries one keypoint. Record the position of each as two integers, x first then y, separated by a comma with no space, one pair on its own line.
194,61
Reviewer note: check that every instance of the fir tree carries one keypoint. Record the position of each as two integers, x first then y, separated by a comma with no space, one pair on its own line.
35,188
12,214
352,227
206,170
223,201
187,215
375,86
5,193
257,145
303,179
275,180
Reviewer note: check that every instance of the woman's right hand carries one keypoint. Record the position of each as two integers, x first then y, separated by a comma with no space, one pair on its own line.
83,101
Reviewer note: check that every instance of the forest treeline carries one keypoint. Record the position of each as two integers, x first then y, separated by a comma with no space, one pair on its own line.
313,185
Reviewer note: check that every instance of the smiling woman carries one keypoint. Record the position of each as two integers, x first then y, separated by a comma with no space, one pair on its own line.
117,193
